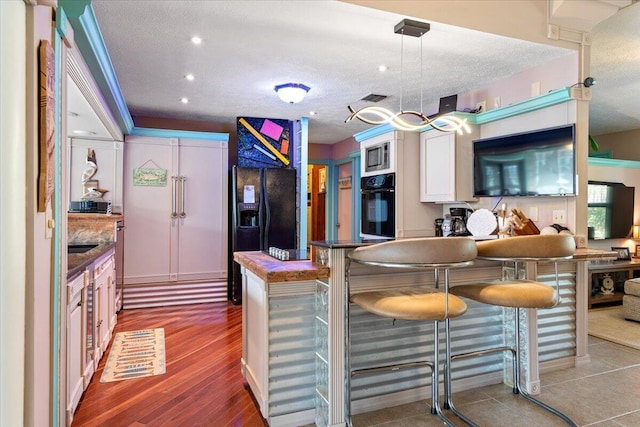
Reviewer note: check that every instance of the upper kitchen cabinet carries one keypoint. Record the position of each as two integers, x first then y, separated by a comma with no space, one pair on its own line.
446,166
91,126
175,194
108,174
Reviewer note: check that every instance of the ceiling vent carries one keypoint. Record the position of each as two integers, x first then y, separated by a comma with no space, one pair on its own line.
372,97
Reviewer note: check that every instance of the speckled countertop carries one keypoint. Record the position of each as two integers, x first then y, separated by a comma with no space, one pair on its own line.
272,270
76,263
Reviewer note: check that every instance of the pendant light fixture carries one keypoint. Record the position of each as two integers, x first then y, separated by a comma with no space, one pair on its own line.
376,115
291,92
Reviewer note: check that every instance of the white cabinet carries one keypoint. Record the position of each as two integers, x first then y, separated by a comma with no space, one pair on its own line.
446,166
75,342
104,302
109,158
176,231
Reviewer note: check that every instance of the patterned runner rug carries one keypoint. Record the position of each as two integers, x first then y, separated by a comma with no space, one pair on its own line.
135,354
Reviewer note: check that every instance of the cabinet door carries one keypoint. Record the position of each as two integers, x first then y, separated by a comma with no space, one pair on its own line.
75,336
148,208
201,249
111,296
437,171
103,277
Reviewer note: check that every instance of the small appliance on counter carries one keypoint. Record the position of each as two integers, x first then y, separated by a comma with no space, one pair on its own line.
88,206
458,226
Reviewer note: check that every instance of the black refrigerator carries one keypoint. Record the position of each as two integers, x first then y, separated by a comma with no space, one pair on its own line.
263,212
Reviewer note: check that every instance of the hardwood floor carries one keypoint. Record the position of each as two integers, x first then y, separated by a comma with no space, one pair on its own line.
203,385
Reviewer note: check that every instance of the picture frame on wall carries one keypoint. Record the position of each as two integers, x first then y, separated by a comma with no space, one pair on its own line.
623,253
637,255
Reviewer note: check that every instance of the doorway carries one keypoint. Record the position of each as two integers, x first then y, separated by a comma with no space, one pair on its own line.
317,202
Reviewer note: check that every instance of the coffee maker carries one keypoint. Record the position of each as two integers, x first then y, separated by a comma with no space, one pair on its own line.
458,225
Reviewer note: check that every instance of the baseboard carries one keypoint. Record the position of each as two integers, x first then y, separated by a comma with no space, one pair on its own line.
293,420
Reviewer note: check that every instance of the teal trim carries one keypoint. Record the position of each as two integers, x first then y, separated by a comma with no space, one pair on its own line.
302,170
320,161
94,37
56,330
602,154
356,200
553,97
169,133
614,163
373,132
548,99
90,43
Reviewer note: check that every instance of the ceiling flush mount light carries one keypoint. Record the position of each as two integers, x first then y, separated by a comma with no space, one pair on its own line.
375,115
291,92
196,40
190,77
184,100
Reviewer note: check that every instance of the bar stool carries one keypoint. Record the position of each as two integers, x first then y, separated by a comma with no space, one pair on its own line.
515,293
410,303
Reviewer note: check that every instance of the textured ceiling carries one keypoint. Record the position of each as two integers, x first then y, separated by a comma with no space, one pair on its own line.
615,64
333,47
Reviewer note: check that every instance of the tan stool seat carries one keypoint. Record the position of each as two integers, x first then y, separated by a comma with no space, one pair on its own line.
537,246
514,293
410,304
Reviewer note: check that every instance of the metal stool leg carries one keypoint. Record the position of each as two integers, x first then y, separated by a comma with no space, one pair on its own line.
517,388
448,404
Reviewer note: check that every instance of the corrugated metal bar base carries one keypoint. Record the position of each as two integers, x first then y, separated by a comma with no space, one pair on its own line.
174,293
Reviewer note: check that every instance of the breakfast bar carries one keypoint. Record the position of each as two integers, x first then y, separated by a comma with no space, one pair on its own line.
294,344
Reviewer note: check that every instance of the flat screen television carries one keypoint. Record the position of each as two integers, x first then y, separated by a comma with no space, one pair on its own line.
538,163
609,210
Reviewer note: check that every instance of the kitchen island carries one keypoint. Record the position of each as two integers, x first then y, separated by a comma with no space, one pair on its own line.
293,334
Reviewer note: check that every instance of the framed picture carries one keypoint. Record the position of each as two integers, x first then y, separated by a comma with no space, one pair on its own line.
623,252
637,255
322,179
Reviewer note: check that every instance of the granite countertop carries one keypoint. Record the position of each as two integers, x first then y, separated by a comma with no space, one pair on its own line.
76,263
272,270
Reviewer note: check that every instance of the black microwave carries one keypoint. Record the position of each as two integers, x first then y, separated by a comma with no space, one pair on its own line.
377,157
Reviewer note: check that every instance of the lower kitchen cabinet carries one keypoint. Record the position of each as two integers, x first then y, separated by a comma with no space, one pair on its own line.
76,305
91,319
104,281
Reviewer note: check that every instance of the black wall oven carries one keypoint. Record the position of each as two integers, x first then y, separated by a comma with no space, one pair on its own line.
378,206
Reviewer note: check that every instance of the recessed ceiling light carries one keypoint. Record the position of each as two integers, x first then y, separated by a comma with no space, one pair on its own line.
83,132
184,100
382,68
196,40
189,77
312,113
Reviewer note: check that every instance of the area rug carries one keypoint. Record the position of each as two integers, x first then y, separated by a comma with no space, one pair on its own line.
609,324
135,354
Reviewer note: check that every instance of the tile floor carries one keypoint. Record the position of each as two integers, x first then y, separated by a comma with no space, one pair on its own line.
605,393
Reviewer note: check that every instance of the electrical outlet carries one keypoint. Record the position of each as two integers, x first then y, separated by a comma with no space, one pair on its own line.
581,241
481,106
560,216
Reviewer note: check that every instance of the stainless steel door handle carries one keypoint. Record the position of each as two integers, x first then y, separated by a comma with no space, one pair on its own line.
174,199
183,214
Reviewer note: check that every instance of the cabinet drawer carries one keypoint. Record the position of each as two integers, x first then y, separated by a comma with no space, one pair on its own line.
74,288
104,265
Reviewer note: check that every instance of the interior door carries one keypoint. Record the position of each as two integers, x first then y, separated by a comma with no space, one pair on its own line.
345,197
201,249
147,254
